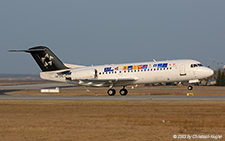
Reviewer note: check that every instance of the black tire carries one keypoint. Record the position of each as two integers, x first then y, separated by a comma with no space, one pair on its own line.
111,92
190,88
123,92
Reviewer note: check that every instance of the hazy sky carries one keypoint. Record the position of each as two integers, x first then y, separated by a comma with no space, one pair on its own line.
105,32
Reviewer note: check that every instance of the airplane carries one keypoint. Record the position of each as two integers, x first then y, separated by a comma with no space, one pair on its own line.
117,74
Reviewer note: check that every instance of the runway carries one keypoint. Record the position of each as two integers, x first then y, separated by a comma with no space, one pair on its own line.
66,85
4,89
111,98
34,86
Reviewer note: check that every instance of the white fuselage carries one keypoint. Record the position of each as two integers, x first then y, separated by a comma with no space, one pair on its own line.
133,73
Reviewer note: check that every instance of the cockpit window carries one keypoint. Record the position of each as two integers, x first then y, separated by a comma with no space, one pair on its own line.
196,65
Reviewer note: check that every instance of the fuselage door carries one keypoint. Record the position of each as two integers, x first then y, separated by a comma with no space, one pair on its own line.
96,74
182,70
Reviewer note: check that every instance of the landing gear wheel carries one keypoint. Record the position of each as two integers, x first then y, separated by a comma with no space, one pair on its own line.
123,92
190,87
111,92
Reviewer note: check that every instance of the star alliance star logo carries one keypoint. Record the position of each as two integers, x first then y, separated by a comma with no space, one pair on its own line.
47,60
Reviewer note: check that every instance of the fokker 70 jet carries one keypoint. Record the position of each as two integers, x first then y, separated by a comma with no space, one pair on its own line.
117,74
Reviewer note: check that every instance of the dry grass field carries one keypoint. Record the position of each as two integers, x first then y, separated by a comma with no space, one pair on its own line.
109,120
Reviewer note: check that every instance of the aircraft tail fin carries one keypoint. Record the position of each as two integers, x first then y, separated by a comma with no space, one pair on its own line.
45,58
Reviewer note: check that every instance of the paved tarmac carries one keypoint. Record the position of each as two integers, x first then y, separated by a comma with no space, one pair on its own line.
66,85
110,98
34,86
4,96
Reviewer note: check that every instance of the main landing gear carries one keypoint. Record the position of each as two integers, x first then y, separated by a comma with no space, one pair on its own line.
112,92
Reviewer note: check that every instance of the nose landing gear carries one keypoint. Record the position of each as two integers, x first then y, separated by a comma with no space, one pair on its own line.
190,87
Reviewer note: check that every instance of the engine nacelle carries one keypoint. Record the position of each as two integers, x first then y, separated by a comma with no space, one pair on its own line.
82,74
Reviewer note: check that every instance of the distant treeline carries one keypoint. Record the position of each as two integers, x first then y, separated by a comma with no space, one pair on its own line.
19,75
220,81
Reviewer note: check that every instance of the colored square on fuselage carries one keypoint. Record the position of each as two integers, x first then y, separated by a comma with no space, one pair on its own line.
145,67
130,67
135,67
125,67
140,67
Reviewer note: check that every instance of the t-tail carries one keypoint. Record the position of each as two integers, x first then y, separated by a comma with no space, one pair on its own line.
45,58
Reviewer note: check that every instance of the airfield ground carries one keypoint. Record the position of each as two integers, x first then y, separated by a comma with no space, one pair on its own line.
109,120
159,90
112,120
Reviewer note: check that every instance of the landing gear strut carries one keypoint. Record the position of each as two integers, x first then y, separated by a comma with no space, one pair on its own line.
190,87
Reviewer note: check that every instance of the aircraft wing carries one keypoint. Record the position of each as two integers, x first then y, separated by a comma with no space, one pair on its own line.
106,82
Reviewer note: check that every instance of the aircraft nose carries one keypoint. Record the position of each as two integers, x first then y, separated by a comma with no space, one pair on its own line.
203,72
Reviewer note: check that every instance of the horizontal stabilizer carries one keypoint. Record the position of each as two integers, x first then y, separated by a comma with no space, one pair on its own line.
28,51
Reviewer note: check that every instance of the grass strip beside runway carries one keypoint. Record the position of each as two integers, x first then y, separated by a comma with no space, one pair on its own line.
109,120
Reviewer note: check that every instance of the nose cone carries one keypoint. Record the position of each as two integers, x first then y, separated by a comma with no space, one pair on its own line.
208,72
203,72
